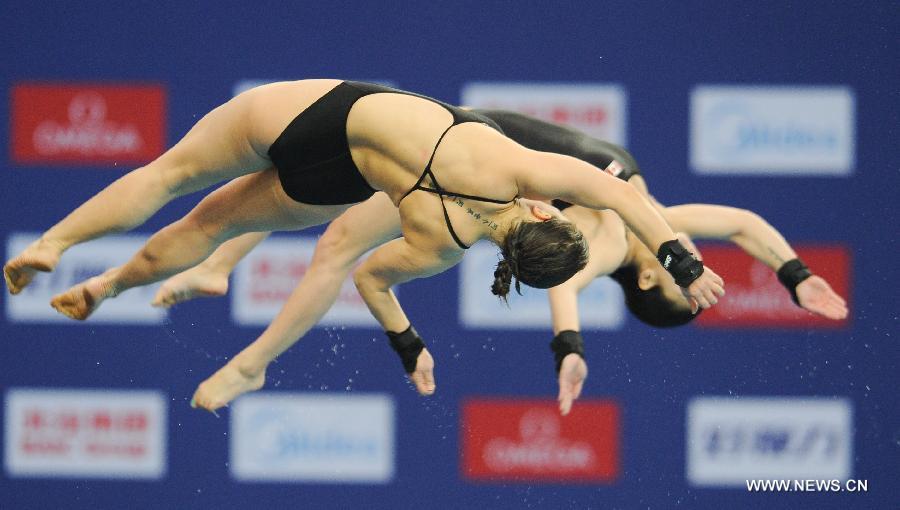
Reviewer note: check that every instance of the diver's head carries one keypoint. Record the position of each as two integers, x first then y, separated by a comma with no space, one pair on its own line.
541,249
651,293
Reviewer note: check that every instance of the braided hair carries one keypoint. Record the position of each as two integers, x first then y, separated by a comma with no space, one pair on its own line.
541,254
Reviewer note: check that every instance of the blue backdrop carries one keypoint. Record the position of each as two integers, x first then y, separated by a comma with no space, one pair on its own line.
658,52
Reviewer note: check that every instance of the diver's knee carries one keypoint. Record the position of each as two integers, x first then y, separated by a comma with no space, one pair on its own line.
336,247
182,178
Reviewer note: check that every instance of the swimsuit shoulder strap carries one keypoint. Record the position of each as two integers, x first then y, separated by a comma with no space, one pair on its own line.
443,193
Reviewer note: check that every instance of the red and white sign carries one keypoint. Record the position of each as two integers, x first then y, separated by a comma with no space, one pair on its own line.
61,123
755,298
528,440
85,433
267,276
593,108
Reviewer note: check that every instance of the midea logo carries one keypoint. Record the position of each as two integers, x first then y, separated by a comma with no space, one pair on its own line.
735,128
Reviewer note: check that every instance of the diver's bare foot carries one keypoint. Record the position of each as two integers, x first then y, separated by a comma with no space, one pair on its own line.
197,281
80,301
225,385
40,255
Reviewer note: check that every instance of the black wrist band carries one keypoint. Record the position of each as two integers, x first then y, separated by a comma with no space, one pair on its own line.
565,343
407,345
679,262
790,274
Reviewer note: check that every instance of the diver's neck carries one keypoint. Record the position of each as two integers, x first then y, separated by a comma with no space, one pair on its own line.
633,249
506,220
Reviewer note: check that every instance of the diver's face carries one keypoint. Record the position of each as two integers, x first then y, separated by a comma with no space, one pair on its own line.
655,276
651,274
535,210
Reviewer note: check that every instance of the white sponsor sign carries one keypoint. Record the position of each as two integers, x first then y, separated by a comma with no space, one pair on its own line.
772,130
266,277
247,84
78,264
306,437
596,109
85,433
600,305
731,440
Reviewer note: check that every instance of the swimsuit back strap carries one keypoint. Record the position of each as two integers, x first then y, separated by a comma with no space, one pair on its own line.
450,225
442,194
470,197
427,170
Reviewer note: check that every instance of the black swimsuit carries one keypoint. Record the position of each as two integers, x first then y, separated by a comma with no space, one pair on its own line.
546,137
312,154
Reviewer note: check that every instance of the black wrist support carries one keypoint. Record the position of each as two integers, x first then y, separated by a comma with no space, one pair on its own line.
565,343
407,345
679,262
791,274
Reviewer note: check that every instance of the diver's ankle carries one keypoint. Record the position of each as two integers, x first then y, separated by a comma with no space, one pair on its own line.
249,366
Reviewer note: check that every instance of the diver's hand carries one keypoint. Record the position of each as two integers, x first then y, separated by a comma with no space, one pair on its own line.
815,295
572,374
705,291
423,375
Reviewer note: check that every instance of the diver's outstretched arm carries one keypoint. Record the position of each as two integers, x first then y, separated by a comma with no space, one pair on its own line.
763,242
545,175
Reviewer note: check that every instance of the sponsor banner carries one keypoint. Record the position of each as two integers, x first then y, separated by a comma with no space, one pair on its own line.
596,109
312,438
90,124
247,84
773,130
266,277
754,298
78,264
85,433
732,440
528,440
600,305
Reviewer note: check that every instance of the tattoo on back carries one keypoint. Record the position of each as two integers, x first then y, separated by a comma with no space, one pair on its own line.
484,219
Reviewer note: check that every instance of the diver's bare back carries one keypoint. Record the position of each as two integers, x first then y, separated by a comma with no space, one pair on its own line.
391,137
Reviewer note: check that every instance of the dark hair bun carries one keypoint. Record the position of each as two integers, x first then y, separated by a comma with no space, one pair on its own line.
541,254
502,279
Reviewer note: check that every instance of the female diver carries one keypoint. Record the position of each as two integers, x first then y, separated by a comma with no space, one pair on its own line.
293,170
614,250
